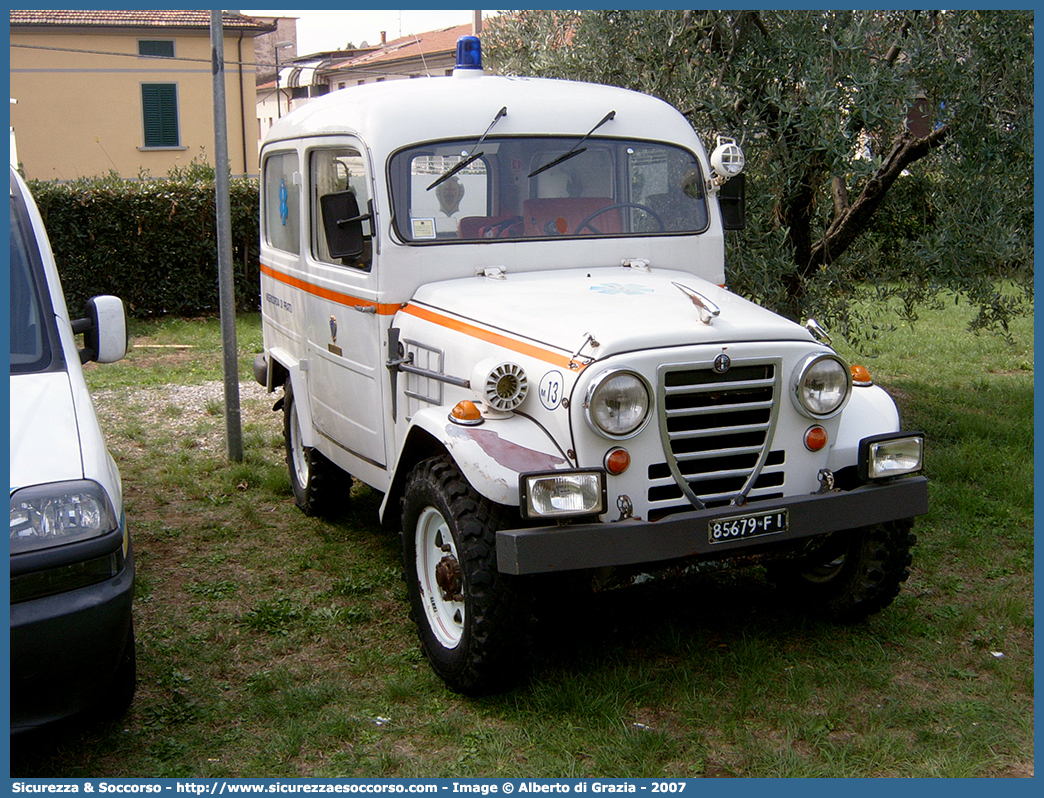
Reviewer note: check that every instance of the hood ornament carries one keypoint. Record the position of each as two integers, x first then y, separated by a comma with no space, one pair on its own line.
708,310
575,363
814,327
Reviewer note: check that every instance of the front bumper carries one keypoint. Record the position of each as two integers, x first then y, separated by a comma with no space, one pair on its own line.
66,647
630,542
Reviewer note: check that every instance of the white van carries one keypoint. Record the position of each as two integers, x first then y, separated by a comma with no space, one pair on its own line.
501,302
72,567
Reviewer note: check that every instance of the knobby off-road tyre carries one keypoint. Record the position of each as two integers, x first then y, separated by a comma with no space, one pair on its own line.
470,617
864,578
320,487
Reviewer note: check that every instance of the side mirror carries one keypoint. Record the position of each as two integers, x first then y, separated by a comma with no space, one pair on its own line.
342,224
732,201
104,330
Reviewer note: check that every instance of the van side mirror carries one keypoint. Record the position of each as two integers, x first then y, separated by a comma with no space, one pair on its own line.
104,330
342,224
732,201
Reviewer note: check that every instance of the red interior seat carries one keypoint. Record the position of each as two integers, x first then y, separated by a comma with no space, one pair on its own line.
561,215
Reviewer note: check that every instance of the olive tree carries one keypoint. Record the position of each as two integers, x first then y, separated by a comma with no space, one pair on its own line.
889,150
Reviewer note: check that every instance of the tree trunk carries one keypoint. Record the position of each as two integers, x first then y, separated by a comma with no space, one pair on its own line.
849,222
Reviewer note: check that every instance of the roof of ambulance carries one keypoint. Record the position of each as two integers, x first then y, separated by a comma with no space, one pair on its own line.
394,113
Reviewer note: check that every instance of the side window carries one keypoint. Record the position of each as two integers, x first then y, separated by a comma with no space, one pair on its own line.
332,171
282,202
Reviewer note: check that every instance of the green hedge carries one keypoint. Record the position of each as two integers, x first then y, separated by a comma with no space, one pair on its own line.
152,243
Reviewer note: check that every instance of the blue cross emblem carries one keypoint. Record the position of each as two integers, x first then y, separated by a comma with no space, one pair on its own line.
616,288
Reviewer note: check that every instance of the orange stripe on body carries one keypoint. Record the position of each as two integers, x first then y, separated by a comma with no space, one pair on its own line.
499,339
390,309
326,293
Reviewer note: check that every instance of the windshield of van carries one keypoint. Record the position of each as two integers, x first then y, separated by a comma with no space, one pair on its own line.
515,190
31,335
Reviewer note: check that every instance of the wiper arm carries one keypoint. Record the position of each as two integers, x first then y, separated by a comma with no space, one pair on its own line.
456,168
472,156
561,158
577,149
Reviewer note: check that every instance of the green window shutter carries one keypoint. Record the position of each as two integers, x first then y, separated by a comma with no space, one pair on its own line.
159,109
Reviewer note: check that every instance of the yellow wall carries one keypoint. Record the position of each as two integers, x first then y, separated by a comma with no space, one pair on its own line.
79,114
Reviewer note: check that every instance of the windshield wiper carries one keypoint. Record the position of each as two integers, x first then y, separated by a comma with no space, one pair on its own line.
577,149
472,156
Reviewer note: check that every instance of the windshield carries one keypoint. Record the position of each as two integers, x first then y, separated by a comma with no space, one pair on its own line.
515,189
31,333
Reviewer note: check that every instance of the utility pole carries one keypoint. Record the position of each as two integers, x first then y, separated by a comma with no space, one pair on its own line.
226,285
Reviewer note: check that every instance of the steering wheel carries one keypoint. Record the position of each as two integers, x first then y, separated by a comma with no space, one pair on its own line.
587,222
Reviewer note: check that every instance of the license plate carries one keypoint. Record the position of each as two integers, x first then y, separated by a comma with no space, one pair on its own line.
751,525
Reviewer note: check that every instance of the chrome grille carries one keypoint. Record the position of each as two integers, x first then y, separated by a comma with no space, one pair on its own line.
716,429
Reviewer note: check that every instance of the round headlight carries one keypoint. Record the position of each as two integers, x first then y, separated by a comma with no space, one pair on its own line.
822,384
618,404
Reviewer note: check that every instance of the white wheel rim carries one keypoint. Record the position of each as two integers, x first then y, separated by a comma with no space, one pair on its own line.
434,543
297,452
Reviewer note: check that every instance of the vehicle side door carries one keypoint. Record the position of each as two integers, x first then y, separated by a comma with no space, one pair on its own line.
345,353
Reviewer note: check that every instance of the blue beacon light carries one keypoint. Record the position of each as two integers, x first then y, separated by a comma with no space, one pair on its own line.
469,53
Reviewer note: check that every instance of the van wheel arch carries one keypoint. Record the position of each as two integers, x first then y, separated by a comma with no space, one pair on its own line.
419,445
280,374
269,372
320,487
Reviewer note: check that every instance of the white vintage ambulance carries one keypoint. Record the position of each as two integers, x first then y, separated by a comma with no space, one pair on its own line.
501,302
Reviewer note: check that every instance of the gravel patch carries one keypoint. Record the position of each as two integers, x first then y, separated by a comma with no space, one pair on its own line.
187,410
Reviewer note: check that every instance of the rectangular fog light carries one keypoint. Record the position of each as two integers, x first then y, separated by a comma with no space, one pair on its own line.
882,457
562,494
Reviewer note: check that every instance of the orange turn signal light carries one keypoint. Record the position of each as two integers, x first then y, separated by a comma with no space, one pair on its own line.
617,460
815,438
861,376
465,412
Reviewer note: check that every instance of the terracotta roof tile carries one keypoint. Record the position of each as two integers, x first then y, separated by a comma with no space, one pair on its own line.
429,43
134,19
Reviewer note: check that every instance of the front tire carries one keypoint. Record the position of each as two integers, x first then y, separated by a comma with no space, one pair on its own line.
469,616
320,487
855,580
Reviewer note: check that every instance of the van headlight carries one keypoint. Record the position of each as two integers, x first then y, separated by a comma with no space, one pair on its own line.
618,403
562,494
44,516
891,455
822,384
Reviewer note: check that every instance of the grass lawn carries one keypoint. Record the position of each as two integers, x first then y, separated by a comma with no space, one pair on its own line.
275,645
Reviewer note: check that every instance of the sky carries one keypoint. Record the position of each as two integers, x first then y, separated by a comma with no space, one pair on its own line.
331,30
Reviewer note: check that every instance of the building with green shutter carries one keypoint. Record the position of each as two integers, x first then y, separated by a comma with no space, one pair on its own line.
128,91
